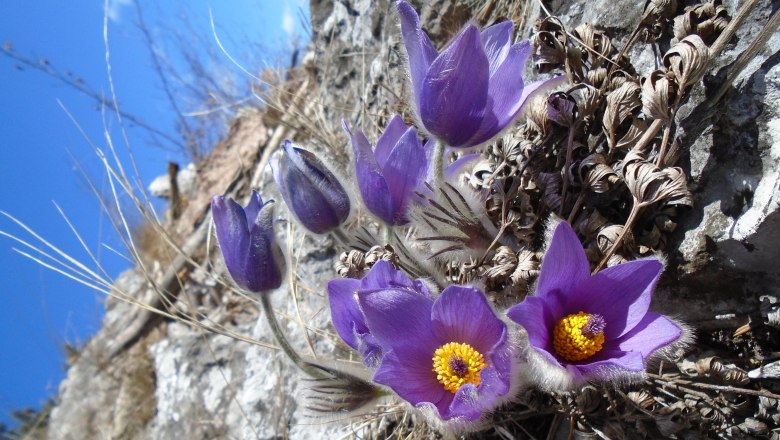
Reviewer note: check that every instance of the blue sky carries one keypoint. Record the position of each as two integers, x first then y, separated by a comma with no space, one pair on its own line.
42,152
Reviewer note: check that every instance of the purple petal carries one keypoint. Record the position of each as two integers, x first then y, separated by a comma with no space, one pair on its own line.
405,170
344,310
535,86
610,360
621,294
505,94
497,40
312,193
382,276
233,235
651,333
471,402
372,184
400,320
370,349
460,165
462,314
564,265
413,380
264,264
393,132
455,90
537,320
419,48
253,207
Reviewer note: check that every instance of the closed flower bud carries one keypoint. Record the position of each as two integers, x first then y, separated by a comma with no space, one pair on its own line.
312,193
246,237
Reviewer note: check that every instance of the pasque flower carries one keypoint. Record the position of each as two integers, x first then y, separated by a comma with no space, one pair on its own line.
473,89
389,174
314,195
598,327
450,356
345,311
246,237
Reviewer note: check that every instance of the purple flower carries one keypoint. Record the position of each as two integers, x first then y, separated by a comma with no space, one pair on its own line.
593,327
450,356
314,195
473,89
246,237
345,311
389,174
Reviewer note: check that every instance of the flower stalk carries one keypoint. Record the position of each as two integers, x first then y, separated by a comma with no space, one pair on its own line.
281,339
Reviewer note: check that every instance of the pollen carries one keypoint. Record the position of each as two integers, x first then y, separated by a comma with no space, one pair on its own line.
578,336
457,364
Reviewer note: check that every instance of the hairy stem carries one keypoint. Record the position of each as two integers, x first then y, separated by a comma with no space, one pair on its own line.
619,241
388,230
565,183
281,339
438,164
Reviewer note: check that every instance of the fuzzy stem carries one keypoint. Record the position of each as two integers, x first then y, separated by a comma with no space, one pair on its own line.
388,232
438,164
341,236
565,183
577,205
281,339
626,227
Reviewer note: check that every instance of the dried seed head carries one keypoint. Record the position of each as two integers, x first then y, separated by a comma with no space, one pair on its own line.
596,46
707,20
658,93
649,184
661,8
383,253
562,109
351,264
596,174
549,44
550,185
587,99
688,59
536,114
642,398
596,77
621,103
526,270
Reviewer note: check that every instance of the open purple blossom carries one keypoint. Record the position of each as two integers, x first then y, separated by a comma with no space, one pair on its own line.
473,89
593,328
246,237
314,195
389,174
449,356
346,314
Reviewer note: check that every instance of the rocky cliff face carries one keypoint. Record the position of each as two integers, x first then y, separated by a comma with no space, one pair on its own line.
143,376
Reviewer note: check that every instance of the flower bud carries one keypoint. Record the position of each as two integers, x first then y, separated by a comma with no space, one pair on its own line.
312,193
246,238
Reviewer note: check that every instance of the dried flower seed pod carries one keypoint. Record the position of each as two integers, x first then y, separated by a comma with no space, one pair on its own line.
688,59
658,93
562,109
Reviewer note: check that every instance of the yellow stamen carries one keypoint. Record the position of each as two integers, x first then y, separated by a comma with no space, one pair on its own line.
457,364
569,341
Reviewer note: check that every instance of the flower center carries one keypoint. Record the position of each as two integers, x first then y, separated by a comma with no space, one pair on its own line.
579,336
457,364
